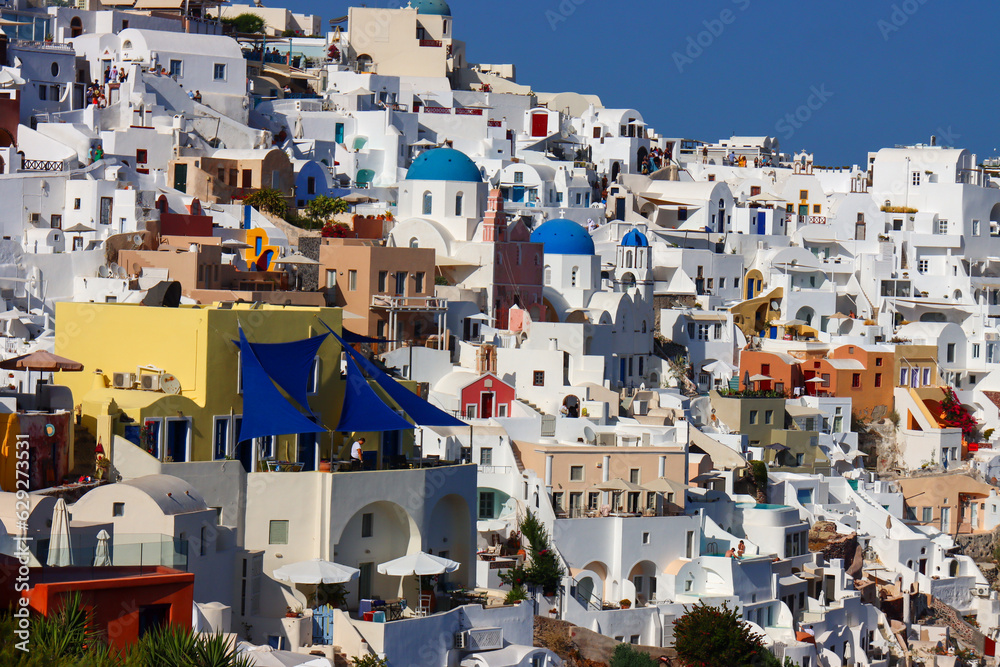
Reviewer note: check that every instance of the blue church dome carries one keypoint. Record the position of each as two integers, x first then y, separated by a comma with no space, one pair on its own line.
563,237
435,7
444,164
635,239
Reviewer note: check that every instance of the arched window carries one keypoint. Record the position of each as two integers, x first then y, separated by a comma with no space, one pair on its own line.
573,276
414,243
548,275
428,202
628,259
76,27
644,326
458,203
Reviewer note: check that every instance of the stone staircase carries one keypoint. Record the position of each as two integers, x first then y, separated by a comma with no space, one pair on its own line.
517,456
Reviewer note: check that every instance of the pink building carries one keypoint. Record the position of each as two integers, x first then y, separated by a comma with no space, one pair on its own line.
518,269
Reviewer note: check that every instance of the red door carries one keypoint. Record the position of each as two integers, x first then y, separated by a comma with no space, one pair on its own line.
540,125
487,406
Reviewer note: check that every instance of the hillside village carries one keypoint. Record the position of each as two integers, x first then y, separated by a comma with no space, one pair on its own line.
321,337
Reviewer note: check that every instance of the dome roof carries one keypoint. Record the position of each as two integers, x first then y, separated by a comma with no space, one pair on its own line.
635,239
444,164
436,7
563,237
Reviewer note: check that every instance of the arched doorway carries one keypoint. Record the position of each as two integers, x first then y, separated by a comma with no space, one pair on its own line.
643,576
995,220
616,169
641,156
376,533
365,63
449,535
572,405
75,27
601,570
806,314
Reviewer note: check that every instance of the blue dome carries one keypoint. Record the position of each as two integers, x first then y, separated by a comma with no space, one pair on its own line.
563,237
635,239
444,164
436,7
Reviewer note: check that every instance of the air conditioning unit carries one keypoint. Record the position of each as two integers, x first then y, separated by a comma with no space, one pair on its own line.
479,639
123,380
149,382
981,590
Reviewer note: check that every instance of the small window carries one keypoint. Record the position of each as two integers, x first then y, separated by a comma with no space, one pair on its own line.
923,266
803,195
856,381
76,204
878,380
367,524
278,530
633,475
418,285
383,278
878,361
428,203
645,540
486,456
950,354
915,179
352,280
118,509
927,514
177,68
942,227
220,72
753,416
817,209
141,156
576,473
768,416
538,378
458,203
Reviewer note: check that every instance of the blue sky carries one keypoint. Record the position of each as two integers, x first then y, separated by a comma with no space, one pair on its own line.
835,78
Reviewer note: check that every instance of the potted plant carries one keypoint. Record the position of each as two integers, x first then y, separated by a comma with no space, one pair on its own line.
295,612
625,604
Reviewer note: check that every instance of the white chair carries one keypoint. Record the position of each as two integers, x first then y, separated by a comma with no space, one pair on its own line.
424,608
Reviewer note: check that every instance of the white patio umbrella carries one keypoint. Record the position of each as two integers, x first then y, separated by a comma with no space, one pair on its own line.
297,131
419,564
60,544
102,556
297,259
316,571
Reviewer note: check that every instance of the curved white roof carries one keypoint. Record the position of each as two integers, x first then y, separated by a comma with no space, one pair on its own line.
180,42
453,383
171,494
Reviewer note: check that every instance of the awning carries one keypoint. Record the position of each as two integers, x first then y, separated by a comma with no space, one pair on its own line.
444,260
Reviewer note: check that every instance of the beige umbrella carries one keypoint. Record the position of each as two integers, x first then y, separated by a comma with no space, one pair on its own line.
41,361
760,378
79,228
60,543
102,556
357,198
297,259
617,484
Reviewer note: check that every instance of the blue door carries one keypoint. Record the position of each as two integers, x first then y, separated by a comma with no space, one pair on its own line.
760,222
323,625
177,436
307,451
517,194
339,138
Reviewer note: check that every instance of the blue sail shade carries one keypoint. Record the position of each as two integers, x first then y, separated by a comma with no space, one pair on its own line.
363,409
265,410
357,339
416,408
290,365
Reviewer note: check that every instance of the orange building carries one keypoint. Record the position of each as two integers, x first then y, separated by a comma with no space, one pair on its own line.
126,601
864,375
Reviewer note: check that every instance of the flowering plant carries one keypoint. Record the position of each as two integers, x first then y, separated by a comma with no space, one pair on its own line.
955,415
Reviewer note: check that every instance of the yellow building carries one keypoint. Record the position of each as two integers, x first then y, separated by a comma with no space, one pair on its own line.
168,379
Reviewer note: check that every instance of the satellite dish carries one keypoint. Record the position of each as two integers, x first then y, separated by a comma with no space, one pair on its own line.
102,271
137,239
589,435
775,305
170,384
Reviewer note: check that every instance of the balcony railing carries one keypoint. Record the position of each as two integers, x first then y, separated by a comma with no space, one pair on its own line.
409,303
431,42
493,470
42,165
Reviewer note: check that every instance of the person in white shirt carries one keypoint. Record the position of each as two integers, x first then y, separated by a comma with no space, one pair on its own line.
356,453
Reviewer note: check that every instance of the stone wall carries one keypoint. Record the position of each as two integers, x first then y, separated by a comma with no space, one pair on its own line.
960,630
